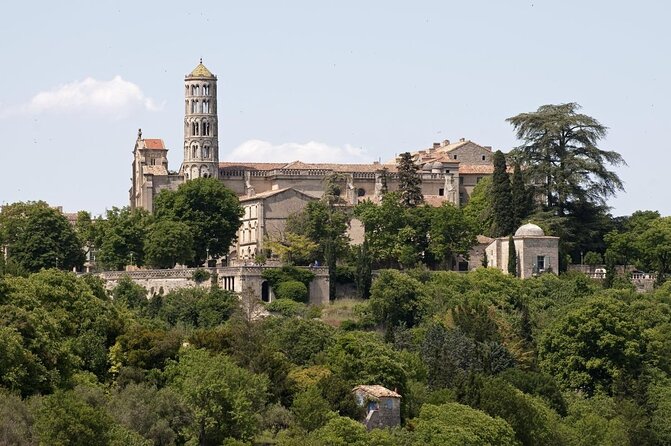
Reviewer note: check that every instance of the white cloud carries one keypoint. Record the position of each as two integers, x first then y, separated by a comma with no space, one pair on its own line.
116,97
256,150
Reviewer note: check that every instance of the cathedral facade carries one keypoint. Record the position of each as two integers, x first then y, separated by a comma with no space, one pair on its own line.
270,192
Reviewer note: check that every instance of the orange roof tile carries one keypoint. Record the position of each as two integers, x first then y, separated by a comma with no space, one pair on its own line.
475,169
377,391
153,144
345,168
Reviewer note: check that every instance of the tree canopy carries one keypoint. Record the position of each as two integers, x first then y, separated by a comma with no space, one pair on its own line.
560,156
210,210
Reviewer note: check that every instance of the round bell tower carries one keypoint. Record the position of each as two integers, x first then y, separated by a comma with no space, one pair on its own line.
201,130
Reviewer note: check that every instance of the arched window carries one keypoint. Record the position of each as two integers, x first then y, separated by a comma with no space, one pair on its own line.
206,152
197,91
194,151
193,90
207,129
360,192
206,90
206,106
193,106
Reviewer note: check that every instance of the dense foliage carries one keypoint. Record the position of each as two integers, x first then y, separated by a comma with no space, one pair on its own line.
480,358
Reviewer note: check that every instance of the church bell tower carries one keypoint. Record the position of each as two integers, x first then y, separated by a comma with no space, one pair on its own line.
201,132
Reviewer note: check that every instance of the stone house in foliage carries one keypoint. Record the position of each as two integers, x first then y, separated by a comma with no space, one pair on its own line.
382,406
536,253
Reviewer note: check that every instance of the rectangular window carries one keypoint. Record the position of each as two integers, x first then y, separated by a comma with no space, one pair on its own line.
540,263
477,179
461,180
455,157
441,192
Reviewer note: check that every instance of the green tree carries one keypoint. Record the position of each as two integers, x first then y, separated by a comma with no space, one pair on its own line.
311,410
451,235
502,200
409,181
596,346
593,258
655,245
512,257
396,299
64,419
120,237
478,210
224,397
157,415
210,210
521,198
168,243
559,152
38,236
364,271
454,424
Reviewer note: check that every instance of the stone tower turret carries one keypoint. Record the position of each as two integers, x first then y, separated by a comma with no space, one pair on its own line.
201,132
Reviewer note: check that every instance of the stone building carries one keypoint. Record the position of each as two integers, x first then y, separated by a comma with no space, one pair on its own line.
382,406
536,252
272,191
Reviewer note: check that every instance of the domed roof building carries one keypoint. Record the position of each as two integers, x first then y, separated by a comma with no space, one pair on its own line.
529,230
536,252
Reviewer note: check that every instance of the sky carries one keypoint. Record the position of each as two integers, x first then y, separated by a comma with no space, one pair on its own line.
346,81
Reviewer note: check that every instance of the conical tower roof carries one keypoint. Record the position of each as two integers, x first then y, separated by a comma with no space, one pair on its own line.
201,71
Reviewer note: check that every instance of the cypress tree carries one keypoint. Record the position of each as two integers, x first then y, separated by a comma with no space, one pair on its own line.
363,277
521,200
501,197
512,257
409,181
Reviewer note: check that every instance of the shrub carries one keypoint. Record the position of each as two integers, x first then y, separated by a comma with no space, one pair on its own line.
200,275
286,307
275,276
293,290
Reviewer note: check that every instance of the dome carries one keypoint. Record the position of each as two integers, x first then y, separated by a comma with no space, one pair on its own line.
529,230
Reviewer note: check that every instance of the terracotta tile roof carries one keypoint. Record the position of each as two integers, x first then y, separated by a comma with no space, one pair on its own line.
234,165
299,165
153,144
475,169
272,193
377,391
484,240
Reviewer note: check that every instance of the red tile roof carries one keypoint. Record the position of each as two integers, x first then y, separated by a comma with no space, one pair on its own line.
153,144
299,165
475,169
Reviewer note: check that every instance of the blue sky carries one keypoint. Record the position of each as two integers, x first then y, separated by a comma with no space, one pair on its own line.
347,81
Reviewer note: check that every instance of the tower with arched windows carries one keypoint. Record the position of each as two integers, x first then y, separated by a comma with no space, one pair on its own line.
201,142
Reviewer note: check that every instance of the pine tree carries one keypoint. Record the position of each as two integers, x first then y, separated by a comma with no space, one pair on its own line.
409,181
521,199
512,257
501,197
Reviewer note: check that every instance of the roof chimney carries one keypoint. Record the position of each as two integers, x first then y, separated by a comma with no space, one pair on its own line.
436,145
446,142
462,139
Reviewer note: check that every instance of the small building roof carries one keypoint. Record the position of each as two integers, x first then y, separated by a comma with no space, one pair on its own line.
153,144
377,391
529,230
272,193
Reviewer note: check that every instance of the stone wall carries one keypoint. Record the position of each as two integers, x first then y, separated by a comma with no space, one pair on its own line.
236,279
